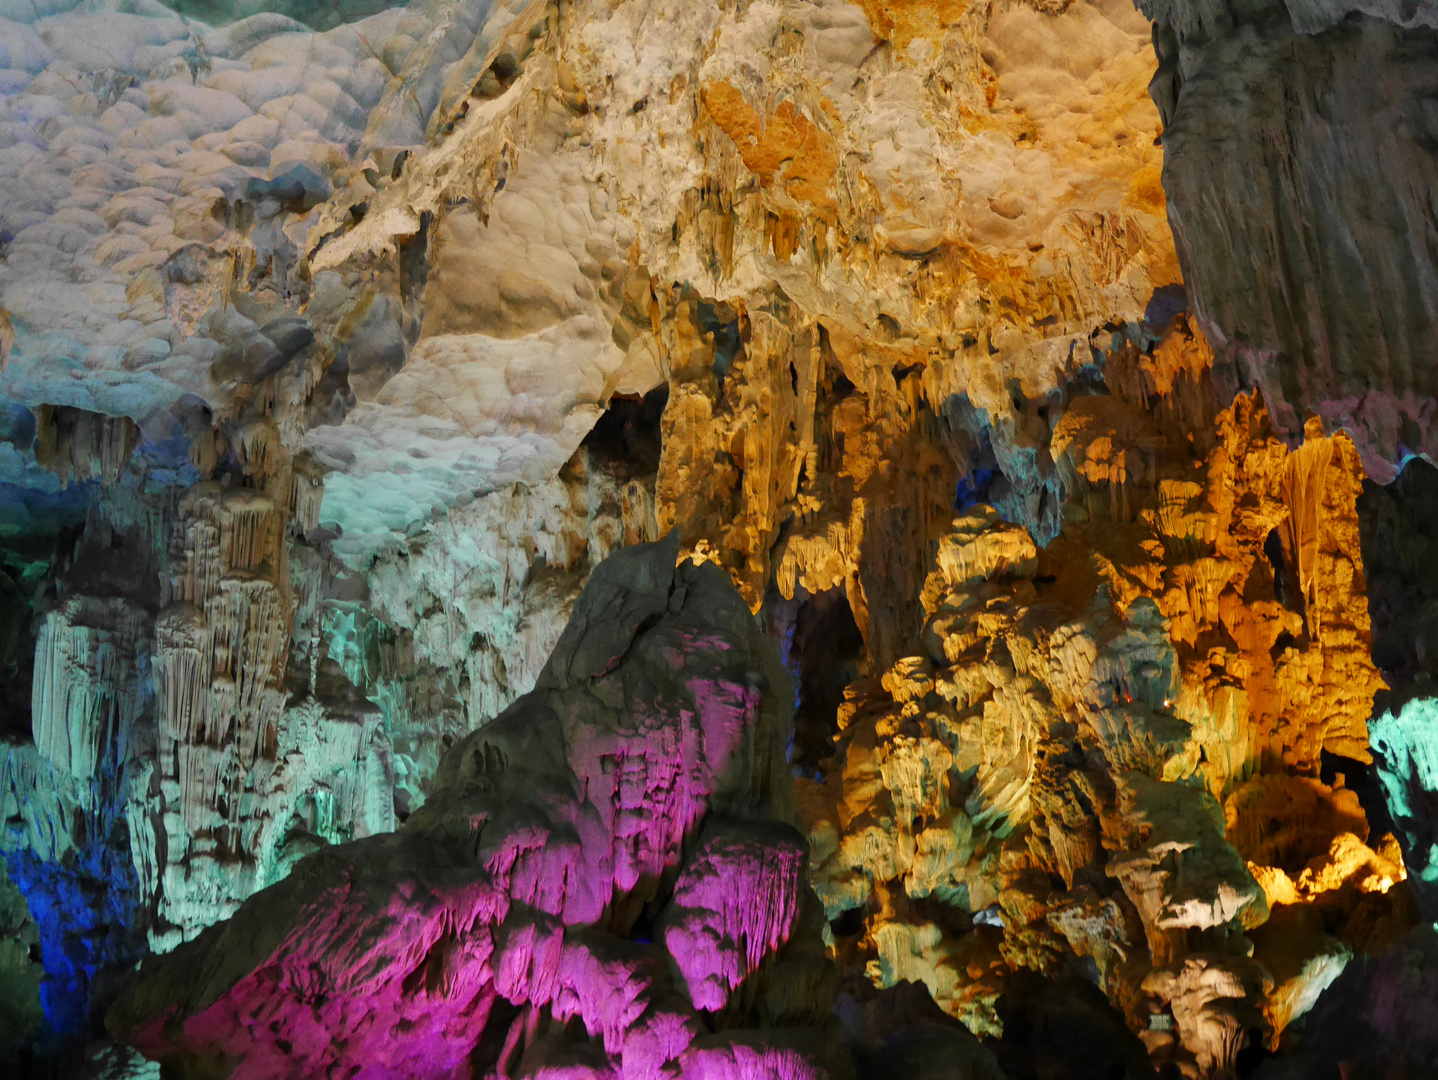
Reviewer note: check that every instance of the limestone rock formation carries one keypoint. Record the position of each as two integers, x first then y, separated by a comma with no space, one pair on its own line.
1048,378
1110,749
644,774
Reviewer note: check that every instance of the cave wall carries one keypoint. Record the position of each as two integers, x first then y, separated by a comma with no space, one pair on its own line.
1038,379
1317,282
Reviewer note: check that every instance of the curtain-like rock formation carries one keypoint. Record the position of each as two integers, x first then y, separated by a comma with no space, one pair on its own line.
508,906
1038,375
1300,217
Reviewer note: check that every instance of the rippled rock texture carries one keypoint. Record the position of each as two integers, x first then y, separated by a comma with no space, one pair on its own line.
763,538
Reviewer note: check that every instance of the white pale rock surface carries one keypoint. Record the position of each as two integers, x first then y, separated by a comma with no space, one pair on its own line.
148,156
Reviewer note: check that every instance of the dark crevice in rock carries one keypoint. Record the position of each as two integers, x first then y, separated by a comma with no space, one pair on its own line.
1399,523
627,438
1361,779
825,654
1063,1028
414,269
724,327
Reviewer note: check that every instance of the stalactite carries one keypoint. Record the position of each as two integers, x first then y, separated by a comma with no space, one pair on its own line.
78,445
346,349
88,700
972,773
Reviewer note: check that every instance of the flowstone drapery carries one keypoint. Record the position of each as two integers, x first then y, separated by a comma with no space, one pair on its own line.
1045,382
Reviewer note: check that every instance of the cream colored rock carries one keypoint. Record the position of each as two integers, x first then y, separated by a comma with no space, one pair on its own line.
830,195
1208,997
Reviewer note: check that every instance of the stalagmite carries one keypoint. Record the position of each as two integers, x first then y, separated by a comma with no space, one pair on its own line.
1027,406
513,891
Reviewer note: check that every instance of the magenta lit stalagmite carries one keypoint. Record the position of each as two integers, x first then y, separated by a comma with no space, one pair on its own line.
718,539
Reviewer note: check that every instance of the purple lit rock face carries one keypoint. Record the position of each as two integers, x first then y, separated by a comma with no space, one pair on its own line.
640,791
1033,375
736,901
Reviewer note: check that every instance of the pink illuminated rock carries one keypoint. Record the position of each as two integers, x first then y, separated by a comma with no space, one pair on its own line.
762,1055
502,924
736,901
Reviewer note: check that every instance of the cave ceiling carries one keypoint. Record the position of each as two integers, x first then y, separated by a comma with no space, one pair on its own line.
795,539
